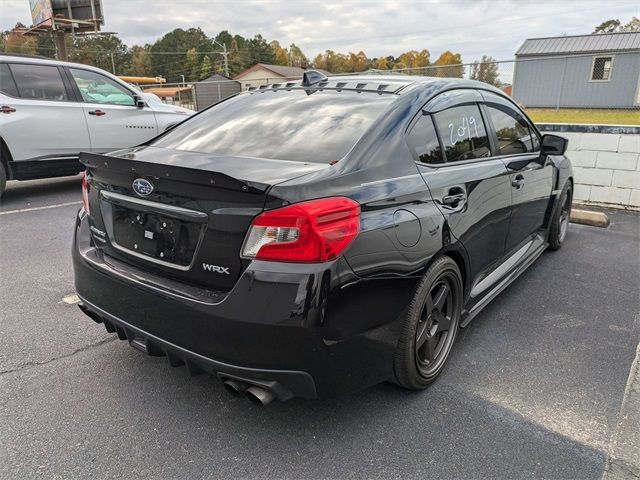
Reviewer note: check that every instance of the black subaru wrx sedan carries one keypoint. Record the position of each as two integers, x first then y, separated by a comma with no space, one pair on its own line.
316,237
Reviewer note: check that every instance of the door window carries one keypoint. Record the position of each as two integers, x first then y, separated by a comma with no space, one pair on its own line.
39,82
7,85
422,137
513,132
463,133
96,88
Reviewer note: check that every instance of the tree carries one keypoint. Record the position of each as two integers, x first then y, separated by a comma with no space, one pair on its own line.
259,51
632,26
297,57
205,68
224,38
331,61
238,57
168,54
46,47
614,25
103,51
414,60
486,71
608,26
140,61
282,55
380,64
357,62
192,65
15,41
455,70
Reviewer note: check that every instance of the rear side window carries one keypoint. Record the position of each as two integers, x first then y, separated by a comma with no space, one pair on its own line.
513,132
39,82
7,85
309,126
463,134
422,137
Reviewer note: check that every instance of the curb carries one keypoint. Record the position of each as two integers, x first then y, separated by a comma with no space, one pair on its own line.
589,217
623,454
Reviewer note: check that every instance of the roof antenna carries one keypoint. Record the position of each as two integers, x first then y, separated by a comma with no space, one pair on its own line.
311,77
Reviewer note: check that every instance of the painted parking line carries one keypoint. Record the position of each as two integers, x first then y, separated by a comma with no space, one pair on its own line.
46,207
71,299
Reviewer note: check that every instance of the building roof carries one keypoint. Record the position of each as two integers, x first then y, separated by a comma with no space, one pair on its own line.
595,42
277,70
216,77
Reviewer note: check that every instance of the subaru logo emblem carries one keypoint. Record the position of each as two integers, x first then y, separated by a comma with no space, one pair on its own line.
142,187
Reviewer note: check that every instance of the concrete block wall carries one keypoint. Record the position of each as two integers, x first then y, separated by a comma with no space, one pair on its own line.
606,165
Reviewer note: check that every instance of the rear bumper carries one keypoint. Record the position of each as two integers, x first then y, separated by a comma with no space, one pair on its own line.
283,383
268,330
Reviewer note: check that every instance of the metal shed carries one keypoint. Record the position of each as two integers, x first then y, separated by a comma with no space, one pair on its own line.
583,71
213,89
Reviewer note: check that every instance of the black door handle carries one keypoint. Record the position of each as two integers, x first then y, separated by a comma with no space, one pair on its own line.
97,113
518,182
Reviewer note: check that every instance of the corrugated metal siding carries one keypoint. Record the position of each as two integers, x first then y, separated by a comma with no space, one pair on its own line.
581,44
208,93
541,83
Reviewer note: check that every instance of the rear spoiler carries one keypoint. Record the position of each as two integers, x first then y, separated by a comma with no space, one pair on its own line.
198,176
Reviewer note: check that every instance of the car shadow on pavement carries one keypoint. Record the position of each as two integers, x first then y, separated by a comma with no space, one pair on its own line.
383,431
20,192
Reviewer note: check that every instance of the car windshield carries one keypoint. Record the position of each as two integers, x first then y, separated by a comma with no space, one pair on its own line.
319,126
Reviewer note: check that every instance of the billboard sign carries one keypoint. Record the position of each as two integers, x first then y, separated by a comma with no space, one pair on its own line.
82,10
41,12
74,15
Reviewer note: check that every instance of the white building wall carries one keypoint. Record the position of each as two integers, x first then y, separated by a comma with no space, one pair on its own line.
607,168
259,77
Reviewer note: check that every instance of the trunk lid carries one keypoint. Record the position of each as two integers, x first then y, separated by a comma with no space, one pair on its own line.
181,214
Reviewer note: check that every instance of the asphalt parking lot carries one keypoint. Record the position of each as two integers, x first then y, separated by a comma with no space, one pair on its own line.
535,387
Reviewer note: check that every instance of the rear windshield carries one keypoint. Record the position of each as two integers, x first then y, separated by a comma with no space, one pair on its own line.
318,126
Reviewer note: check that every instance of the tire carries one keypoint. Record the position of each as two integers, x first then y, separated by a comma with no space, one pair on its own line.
5,157
426,339
3,179
560,221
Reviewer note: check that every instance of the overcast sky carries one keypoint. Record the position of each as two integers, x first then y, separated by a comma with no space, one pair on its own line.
382,28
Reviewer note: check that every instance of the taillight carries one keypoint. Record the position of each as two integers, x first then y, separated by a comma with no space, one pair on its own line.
85,193
310,232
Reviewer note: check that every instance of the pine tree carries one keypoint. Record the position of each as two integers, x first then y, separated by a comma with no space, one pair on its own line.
205,68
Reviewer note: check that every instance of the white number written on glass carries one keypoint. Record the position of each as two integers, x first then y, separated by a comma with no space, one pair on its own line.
463,129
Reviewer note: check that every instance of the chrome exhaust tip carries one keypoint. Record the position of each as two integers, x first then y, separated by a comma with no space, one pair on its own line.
259,396
234,387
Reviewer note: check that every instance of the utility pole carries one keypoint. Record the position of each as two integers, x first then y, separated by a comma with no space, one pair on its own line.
183,84
113,64
61,45
225,54
226,59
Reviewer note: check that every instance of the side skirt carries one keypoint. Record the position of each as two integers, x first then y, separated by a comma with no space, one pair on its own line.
468,315
44,168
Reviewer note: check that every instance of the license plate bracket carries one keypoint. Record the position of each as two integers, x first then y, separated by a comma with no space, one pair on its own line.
156,236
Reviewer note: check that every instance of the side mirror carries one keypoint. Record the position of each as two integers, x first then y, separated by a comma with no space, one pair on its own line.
553,145
139,101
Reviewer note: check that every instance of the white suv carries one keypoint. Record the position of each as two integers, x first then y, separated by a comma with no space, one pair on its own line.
50,111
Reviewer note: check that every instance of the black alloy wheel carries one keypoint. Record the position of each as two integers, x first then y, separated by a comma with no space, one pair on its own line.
560,222
431,326
433,334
